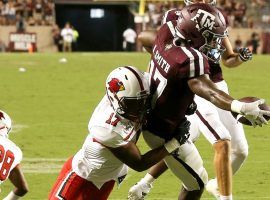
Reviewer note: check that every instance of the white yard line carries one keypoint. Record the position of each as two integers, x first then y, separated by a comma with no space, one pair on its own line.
53,165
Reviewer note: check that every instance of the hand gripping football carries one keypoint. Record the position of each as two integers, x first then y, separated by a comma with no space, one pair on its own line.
242,119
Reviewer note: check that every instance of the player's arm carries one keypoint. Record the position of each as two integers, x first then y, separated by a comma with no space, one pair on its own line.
147,38
205,88
17,179
231,59
131,155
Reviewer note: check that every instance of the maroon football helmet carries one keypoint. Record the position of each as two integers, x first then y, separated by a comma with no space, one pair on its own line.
203,27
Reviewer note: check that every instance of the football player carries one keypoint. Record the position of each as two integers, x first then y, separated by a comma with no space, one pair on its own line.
193,31
10,158
110,146
230,133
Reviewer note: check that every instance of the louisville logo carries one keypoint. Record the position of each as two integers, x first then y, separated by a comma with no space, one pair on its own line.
204,19
115,85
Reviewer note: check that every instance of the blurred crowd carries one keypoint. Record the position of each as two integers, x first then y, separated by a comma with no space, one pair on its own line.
26,12
241,13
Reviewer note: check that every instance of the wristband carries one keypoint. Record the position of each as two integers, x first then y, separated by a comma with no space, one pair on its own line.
236,106
172,145
12,196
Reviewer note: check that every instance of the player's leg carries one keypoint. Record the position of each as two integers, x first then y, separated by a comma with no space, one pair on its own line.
65,169
143,187
91,192
68,185
187,165
239,145
217,134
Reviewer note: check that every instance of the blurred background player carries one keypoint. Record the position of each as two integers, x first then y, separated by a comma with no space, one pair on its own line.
10,158
129,42
67,35
216,117
110,147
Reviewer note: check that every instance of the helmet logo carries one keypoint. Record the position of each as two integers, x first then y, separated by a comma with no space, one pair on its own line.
204,19
115,85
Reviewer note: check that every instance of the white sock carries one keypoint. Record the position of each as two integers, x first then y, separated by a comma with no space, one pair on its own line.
11,196
226,197
148,178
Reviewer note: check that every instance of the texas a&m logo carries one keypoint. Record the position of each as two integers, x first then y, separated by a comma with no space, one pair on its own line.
204,19
116,85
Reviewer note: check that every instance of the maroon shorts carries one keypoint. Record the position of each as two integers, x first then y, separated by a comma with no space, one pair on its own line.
70,186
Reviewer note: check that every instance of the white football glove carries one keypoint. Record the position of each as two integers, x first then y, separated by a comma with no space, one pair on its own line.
139,191
251,111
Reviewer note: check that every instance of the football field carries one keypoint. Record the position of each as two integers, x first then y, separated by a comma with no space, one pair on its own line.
51,102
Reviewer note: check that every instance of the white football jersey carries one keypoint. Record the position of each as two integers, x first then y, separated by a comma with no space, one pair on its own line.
10,157
94,161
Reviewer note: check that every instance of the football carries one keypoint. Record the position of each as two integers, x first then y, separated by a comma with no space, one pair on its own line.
241,118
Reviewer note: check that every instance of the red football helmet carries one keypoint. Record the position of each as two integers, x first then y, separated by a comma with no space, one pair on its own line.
203,27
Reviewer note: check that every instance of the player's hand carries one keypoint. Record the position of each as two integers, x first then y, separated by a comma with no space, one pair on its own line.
254,114
183,132
191,108
139,191
244,54
181,136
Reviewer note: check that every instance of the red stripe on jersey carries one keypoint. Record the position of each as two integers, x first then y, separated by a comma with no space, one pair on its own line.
95,140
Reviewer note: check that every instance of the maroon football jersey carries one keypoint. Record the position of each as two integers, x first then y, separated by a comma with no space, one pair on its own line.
215,68
170,15
171,67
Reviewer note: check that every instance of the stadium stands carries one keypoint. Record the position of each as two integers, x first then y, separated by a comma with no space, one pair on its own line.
32,12
23,14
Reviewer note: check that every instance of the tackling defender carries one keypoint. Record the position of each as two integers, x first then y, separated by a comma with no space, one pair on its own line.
110,147
192,30
10,158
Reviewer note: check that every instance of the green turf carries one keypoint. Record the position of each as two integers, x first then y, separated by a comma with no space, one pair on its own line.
51,102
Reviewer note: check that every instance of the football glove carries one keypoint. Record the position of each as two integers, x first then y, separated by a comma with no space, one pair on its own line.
181,136
251,111
139,191
244,54
191,108
183,132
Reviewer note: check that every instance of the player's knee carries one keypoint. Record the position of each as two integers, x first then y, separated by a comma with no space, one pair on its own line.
204,176
200,182
22,190
222,147
241,154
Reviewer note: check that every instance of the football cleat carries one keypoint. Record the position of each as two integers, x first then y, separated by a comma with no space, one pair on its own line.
212,188
139,191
